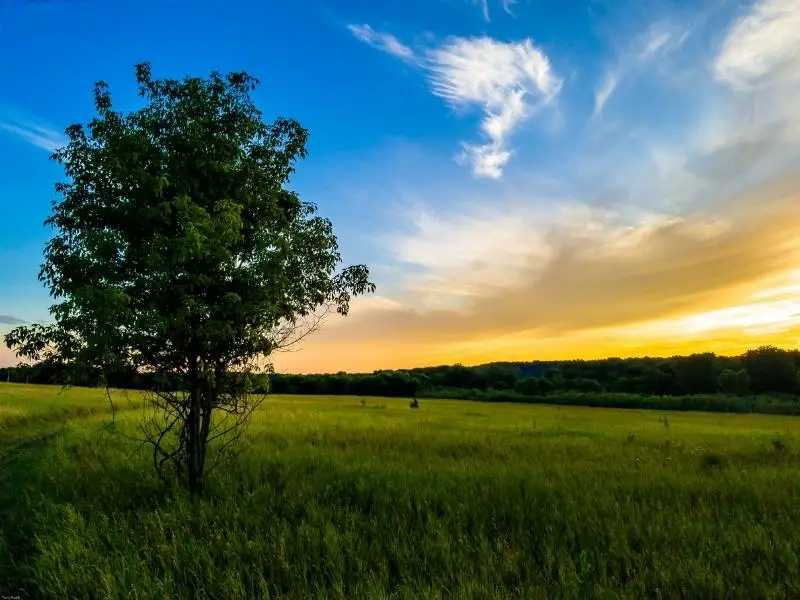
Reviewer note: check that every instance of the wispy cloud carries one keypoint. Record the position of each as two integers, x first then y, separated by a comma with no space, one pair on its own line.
657,41
484,6
385,42
761,45
603,93
475,239
30,129
508,82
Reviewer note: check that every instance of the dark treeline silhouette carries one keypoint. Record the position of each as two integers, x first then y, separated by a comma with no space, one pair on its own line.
766,379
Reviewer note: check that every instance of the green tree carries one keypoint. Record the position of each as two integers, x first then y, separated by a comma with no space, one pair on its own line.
501,377
697,373
734,382
771,370
533,386
583,384
459,376
555,377
179,251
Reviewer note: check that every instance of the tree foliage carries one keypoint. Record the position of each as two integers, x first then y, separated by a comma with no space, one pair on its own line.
771,369
697,373
180,251
734,382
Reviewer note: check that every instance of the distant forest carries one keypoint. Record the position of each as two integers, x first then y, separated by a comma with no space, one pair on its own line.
766,379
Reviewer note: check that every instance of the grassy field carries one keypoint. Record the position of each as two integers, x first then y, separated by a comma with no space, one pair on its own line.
455,500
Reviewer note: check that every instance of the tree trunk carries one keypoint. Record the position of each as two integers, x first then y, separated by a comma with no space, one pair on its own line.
193,438
207,405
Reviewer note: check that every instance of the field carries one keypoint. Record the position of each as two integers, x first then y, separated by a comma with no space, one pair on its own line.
336,499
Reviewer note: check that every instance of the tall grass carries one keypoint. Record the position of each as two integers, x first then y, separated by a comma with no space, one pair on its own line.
457,500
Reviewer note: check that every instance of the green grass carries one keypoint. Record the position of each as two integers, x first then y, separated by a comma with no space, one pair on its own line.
454,500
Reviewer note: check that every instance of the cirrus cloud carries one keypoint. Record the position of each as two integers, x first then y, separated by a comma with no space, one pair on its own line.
484,6
507,82
658,40
30,129
385,42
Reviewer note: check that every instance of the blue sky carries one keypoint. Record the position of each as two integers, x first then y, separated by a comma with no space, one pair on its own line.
532,178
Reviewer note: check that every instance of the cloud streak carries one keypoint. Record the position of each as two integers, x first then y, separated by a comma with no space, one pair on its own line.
656,42
484,6
385,42
30,129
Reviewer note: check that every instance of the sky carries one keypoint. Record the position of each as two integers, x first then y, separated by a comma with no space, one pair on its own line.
539,179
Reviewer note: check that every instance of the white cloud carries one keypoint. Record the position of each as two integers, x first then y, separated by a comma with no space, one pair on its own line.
507,81
654,40
385,42
471,238
761,43
657,41
475,249
603,93
38,135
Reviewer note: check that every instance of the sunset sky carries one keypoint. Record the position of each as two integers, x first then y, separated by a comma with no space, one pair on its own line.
527,180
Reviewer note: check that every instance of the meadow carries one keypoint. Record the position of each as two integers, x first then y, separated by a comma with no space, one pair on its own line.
339,499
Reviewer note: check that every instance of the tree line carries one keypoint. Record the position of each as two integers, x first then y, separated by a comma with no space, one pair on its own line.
764,371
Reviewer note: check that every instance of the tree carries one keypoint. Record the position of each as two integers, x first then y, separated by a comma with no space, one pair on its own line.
555,377
459,376
771,370
533,386
697,373
735,382
583,384
501,377
179,252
